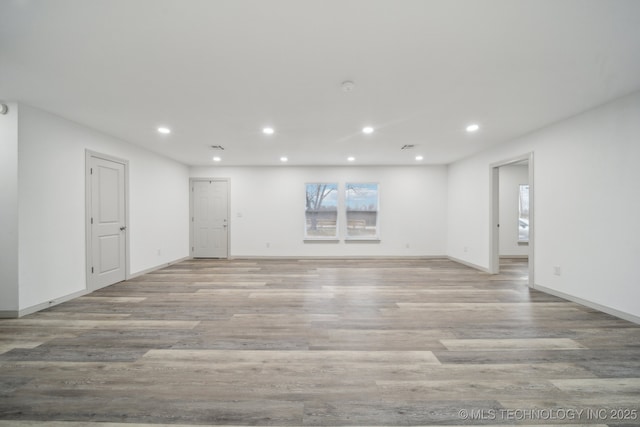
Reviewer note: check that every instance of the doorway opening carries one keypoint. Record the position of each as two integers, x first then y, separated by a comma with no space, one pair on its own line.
511,235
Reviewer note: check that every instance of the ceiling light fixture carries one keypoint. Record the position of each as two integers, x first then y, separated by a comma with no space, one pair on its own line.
351,159
164,130
217,159
473,127
418,158
367,130
268,131
283,159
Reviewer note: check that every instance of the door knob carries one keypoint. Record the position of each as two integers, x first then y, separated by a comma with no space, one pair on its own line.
123,228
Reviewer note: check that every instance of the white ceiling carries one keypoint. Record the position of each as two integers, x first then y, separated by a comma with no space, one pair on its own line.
217,71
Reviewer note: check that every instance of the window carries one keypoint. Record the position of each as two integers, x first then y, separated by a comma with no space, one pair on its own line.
361,200
321,213
523,213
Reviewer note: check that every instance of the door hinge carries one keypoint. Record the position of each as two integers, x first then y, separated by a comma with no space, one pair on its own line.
192,219
193,249
91,171
91,270
91,220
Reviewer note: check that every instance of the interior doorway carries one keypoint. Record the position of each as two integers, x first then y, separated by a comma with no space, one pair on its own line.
210,218
106,220
512,221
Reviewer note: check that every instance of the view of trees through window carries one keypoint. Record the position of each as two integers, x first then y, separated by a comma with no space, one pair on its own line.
361,200
321,213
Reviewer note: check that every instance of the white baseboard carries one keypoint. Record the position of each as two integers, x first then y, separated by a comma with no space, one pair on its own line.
468,264
157,267
344,257
8,314
612,311
514,256
51,303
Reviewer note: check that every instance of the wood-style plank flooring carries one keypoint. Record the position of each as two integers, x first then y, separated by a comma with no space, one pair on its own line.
320,342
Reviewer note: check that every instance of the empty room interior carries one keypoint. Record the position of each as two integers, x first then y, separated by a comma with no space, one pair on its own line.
319,212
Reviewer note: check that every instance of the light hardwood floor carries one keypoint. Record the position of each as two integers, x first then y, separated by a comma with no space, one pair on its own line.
320,342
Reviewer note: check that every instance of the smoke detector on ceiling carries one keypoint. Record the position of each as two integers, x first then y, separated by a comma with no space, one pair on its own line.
348,86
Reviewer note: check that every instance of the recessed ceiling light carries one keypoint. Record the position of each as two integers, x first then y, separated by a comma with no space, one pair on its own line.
367,130
217,159
268,131
351,159
164,130
284,159
473,127
418,158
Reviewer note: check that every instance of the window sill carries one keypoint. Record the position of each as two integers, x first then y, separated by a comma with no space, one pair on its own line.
362,240
321,240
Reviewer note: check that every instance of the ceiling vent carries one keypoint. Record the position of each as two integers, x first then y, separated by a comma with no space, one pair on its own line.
217,147
407,147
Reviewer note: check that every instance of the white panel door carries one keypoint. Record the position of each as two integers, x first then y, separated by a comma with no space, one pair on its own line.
210,219
108,223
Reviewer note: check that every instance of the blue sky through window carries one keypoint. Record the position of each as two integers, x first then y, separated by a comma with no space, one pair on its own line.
362,196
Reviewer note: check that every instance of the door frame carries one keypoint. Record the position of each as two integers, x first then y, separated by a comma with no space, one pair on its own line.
191,212
89,154
494,214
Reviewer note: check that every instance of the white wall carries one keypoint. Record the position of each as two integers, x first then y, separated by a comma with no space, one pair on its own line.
267,206
51,185
587,183
510,178
9,210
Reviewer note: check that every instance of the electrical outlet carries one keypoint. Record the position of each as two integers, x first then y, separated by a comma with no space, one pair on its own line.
268,244
465,249
408,246
557,271
159,252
